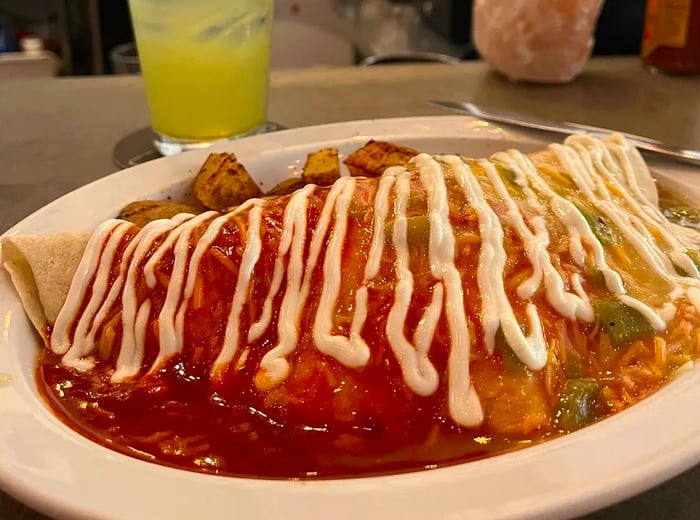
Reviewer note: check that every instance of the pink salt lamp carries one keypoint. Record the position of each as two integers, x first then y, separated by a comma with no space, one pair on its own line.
547,41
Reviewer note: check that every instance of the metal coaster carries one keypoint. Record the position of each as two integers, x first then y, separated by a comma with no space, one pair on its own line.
137,147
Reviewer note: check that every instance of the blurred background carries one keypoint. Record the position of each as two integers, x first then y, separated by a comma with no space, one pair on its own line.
86,37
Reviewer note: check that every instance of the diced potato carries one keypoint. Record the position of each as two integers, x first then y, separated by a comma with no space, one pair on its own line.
223,182
376,156
322,167
141,212
286,187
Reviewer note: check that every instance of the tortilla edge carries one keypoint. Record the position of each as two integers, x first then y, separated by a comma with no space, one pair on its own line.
22,276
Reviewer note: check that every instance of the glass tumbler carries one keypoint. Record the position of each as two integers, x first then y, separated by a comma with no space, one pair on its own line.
205,65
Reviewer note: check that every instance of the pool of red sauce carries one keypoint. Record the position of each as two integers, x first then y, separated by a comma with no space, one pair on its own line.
180,422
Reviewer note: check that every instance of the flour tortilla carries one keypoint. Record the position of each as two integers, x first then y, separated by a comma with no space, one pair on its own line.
41,268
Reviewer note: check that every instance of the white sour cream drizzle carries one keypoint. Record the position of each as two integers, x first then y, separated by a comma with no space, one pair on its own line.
535,243
293,238
134,316
352,351
82,346
251,255
603,171
170,323
496,310
418,372
566,212
89,264
463,402
376,250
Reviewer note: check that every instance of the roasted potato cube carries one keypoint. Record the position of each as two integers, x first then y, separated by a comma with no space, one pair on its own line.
376,156
322,167
359,172
223,182
142,212
286,187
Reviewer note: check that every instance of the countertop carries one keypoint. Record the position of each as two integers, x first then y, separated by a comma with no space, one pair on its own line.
58,134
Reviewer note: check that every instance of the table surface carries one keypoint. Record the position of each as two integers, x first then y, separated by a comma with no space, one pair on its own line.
58,134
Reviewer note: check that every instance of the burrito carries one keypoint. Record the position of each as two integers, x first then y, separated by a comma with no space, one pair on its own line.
451,309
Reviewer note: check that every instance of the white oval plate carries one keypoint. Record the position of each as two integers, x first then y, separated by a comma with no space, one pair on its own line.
53,469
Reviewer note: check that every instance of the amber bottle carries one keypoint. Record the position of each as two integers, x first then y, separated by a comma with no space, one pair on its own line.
671,41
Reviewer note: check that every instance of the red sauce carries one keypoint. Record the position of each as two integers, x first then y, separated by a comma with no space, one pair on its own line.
179,421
